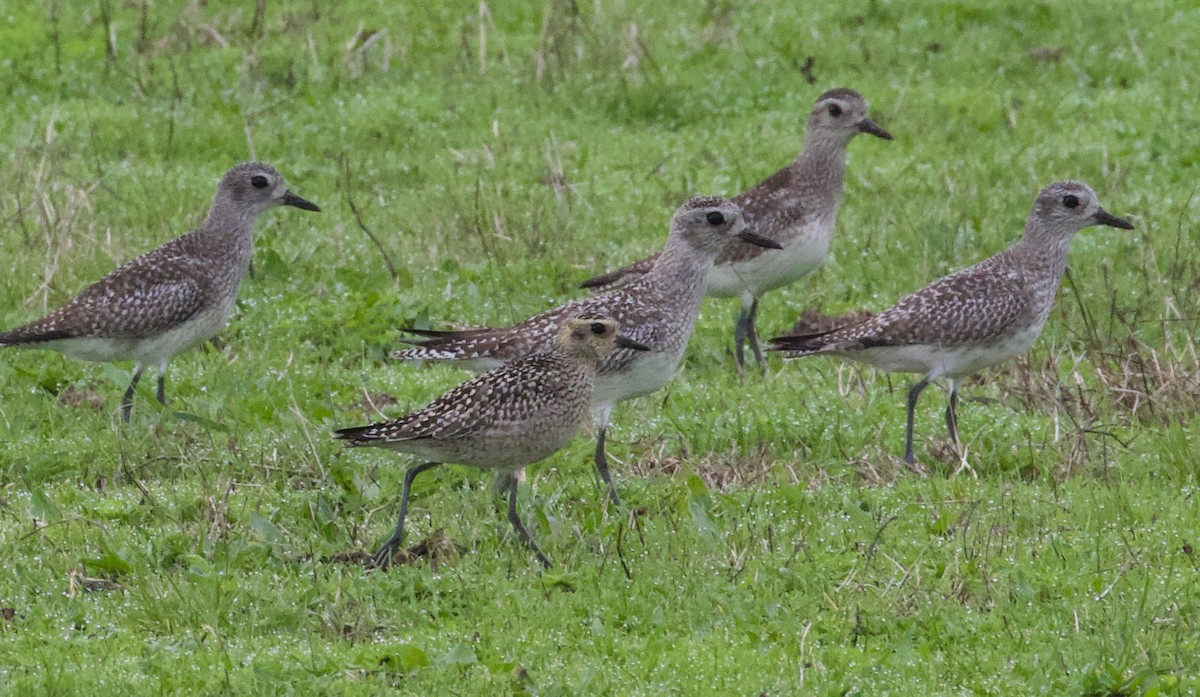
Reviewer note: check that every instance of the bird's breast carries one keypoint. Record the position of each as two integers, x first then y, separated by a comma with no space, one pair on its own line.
804,248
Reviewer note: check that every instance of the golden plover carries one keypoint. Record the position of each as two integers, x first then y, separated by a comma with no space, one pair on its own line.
515,415
658,309
169,299
969,320
797,207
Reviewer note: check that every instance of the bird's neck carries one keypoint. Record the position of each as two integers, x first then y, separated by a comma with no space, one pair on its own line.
678,278
819,171
1042,252
227,233
680,262
582,360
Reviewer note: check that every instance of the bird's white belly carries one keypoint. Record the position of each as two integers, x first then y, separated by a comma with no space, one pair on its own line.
948,361
772,269
492,452
90,348
159,349
645,375
152,350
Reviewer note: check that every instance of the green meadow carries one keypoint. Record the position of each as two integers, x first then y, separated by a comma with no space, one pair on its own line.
475,161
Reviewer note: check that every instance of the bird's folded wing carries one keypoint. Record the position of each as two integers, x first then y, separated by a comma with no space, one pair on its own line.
623,275
123,305
503,395
963,308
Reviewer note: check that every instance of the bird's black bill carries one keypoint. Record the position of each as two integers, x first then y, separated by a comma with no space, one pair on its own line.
755,238
290,199
626,342
1103,217
869,126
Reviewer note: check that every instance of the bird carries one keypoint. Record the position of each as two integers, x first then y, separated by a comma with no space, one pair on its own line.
514,415
171,298
972,319
796,206
658,309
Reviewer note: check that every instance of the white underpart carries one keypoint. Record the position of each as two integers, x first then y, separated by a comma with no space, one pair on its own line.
645,375
156,350
774,268
952,362
195,331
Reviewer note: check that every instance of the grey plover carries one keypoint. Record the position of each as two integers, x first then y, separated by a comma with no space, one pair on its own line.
969,320
797,207
515,415
658,309
171,298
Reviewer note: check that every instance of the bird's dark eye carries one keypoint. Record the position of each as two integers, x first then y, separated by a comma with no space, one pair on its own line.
598,329
1071,201
714,218
835,110
259,181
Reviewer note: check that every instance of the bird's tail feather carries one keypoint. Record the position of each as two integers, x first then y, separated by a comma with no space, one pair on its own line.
812,332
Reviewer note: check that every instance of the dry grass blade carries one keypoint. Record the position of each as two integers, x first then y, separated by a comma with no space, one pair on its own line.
348,187
78,582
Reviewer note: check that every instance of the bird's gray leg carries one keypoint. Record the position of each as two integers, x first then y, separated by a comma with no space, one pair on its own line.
752,333
740,333
952,426
601,457
516,523
952,413
500,485
383,556
913,393
127,400
162,385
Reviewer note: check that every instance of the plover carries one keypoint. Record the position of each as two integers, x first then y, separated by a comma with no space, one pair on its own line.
797,207
969,320
169,299
658,309
515,415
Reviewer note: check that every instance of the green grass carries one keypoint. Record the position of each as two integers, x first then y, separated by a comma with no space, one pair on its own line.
777,545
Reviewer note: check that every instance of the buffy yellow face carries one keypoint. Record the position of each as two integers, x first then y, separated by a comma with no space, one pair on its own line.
596,335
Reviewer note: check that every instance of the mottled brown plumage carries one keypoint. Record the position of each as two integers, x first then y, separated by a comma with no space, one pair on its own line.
512,416
796,207
658,309
971,319
171,298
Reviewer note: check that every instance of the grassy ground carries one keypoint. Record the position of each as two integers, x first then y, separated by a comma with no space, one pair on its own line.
500,155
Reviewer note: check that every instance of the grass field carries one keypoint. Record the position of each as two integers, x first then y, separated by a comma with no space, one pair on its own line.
501,153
